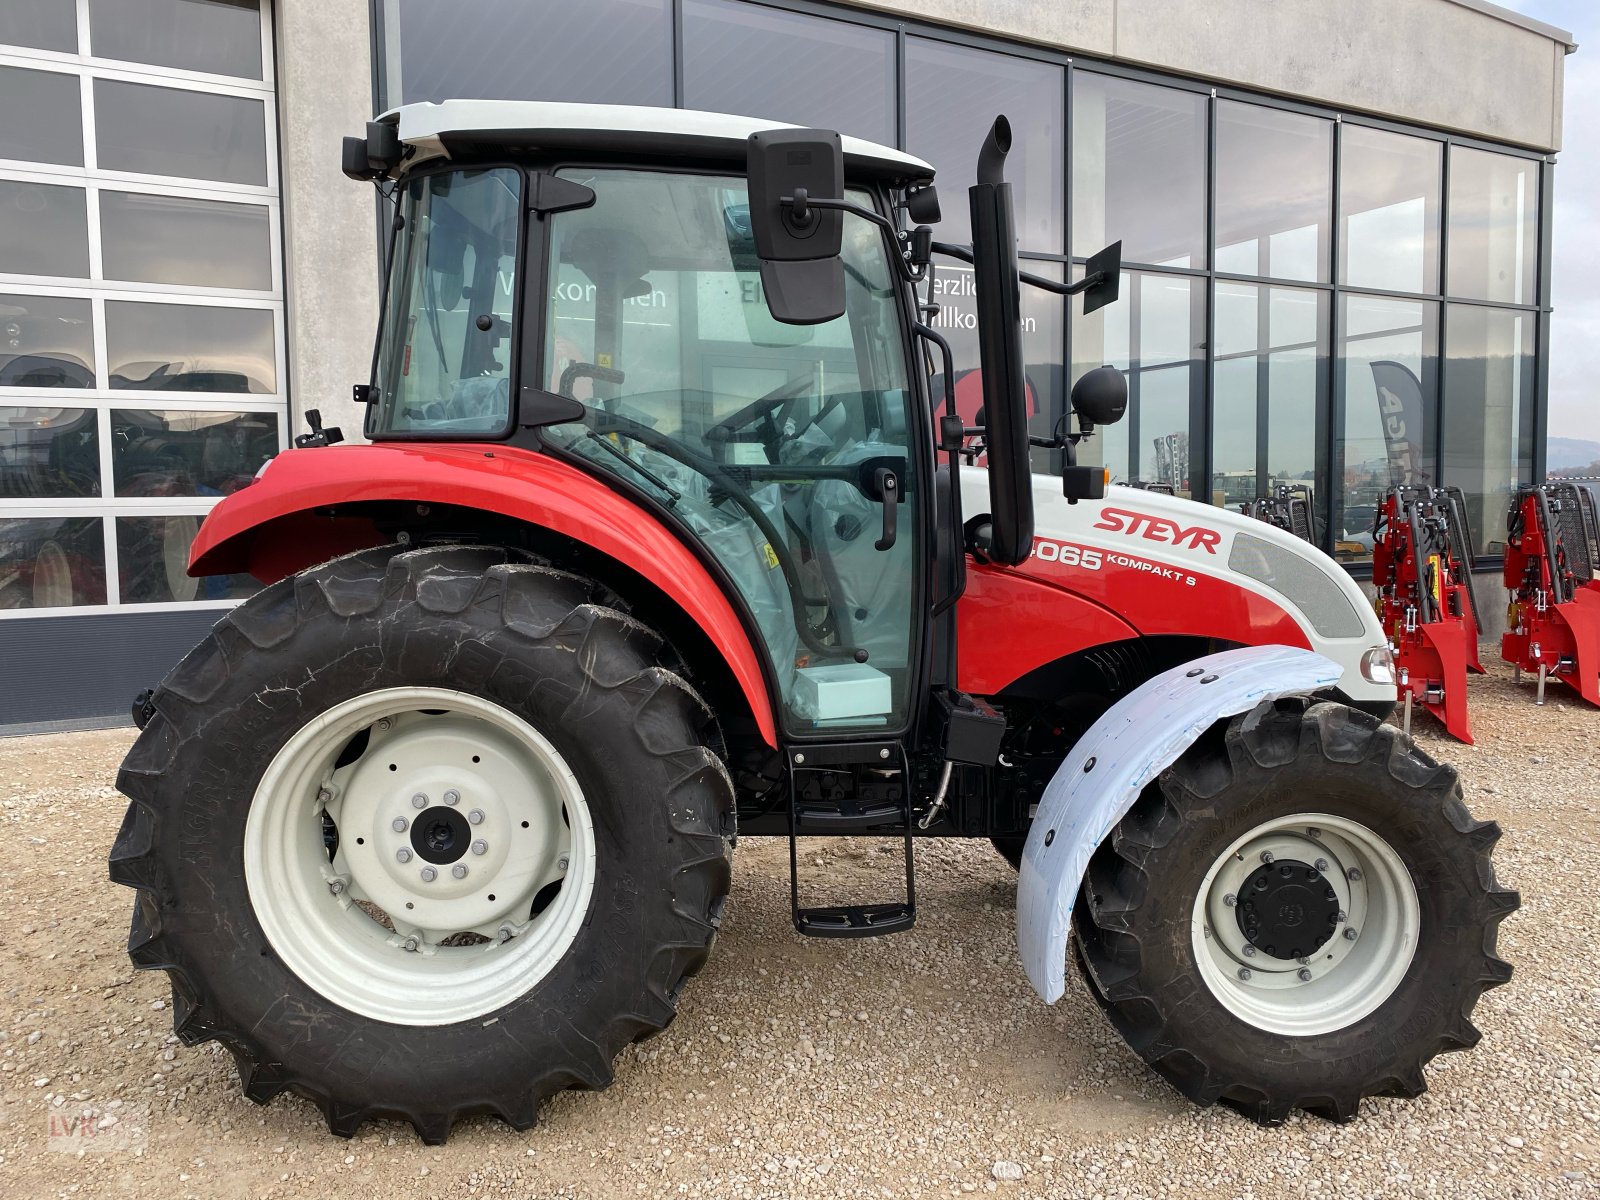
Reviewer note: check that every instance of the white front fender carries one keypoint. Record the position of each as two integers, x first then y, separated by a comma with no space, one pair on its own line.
1139,737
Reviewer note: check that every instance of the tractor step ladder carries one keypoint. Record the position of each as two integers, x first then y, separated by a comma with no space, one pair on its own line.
873,818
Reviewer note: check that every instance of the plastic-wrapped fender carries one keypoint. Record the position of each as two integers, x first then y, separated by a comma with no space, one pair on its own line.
1140,736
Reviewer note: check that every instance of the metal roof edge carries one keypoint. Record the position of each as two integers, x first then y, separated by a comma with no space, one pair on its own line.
1519,20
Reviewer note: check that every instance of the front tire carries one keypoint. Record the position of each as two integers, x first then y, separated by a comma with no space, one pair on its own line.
1298,914
422,834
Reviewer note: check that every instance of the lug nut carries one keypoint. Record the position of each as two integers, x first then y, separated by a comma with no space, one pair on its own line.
429,874
324,796
1316,833
476,816
1249,951
561,863
385,723
398,824
1244,974
1303,975
452,797
1350,935
506,933
1230,899
1266,857
480,847
1321,864
403,855
1303,961
1354,874
410,944
420,800
459,870
336,886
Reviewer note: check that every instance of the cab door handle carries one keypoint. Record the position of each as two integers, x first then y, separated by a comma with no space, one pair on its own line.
887,485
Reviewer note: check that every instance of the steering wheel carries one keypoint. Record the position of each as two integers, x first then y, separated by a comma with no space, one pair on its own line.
762,407
600,424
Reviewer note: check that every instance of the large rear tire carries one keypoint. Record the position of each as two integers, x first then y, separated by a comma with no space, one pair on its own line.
422,834
1298,914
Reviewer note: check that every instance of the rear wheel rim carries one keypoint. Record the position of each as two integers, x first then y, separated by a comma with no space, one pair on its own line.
1330,984
435,876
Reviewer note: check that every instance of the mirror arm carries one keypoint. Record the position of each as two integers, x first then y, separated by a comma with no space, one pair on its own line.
800,205
964,254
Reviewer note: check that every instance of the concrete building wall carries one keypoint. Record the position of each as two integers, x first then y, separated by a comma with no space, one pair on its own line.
330,232
1441,62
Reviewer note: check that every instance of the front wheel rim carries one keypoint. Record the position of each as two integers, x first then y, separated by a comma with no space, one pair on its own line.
419,856
1358,892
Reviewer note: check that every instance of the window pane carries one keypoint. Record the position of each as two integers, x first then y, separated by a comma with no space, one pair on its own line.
757,62
1494,221
164,131
53,129
1154,335
1138,170
153,559
182,453
46,341
953,95
1390,351
513,50
1271,355
190,348
48,453
44,230
219,36
445,363
1274,192
1389,210
41,24
169,239
1488,397
51,562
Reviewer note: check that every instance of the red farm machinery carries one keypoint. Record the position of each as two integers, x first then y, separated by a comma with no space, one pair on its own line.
663,535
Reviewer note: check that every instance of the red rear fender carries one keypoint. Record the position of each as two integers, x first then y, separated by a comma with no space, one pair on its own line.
272,528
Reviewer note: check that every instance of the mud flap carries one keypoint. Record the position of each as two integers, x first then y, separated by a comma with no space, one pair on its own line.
1137,738
1454,651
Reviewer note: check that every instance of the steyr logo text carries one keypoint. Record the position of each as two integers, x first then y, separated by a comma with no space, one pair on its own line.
1158,529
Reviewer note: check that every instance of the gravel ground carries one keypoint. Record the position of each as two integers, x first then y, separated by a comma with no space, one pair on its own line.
914,1065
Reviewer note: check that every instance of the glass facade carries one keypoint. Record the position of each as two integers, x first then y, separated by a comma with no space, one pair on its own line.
141,295
1311,297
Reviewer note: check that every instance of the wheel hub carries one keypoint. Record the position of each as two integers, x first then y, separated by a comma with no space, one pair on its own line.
1287,909
440,836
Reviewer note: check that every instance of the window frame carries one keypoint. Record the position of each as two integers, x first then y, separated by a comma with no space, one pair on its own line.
101,398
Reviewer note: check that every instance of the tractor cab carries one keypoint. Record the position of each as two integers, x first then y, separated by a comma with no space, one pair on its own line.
718,317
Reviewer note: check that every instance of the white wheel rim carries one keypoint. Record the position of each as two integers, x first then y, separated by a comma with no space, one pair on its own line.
528,828
1337,983
52,577
177,535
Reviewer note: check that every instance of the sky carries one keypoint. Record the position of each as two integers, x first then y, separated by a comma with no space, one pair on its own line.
1575,275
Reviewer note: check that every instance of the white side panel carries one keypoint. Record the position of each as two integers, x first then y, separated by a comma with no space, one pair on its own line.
1140,736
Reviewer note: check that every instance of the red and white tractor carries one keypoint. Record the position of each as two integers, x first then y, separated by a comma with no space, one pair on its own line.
663,536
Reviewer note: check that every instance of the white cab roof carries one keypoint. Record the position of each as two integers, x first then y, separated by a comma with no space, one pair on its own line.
434,129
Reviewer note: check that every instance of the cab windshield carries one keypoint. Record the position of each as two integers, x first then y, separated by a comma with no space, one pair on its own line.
771,443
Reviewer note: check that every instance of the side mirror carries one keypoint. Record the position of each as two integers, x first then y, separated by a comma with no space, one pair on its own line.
798,243
1102,275
922,205
1100,397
